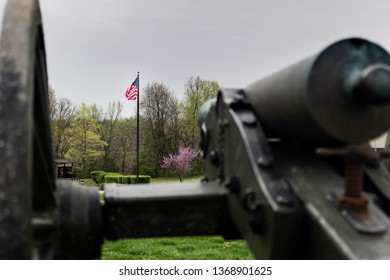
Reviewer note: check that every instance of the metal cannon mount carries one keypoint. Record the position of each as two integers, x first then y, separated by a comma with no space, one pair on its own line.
287,162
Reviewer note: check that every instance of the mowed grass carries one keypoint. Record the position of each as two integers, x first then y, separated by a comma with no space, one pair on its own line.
162,180
177,248
173,180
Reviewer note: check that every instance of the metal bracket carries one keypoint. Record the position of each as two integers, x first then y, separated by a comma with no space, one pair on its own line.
369,224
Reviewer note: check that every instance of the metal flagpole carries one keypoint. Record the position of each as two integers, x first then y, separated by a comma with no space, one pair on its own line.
137,170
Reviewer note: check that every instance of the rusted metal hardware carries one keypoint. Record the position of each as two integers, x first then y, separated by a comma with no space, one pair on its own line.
355,157
352,198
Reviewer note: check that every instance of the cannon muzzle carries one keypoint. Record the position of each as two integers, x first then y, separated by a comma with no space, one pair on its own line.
342,94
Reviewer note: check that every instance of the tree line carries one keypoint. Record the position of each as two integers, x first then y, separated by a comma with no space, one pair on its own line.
101,139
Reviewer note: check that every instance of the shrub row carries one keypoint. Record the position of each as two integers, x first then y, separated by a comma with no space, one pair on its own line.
101,177
126,179
96,176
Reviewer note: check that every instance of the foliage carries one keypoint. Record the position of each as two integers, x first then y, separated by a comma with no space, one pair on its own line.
142,179
95,175
126,179
197,91
146,168
77,172
101,177
182,162
124,141
100,139
108,122
113,178
62,115
159,118
87,146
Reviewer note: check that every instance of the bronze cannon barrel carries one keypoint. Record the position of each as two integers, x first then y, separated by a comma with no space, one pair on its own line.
341,94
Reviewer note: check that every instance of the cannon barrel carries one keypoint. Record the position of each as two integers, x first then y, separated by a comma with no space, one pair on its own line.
341,94
285,198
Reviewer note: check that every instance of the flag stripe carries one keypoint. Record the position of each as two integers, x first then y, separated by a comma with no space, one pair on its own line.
132,91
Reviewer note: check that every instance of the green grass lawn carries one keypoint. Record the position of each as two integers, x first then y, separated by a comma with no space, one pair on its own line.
89,182
168,180
177,248
162,180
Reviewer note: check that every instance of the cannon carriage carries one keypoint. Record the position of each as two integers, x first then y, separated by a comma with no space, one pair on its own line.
287,162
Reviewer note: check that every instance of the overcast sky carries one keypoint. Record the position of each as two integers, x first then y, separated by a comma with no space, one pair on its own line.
95,47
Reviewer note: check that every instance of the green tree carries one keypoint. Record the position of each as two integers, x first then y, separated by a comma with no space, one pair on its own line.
87,148
62,114
107,124
197,91
159,112
125,143
52,102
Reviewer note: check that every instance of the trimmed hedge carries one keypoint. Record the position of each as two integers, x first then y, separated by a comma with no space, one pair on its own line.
126,179
143,179
109,178
95,176
101,177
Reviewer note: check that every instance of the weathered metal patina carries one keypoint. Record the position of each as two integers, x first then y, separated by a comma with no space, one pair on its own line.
33,216
26,201
342,93
287,162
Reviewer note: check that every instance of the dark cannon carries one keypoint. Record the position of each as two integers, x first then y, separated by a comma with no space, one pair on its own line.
287,162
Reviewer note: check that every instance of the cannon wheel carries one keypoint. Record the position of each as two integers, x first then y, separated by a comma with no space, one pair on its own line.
27,180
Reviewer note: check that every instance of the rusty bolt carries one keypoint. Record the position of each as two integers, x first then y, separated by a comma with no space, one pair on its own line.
355,157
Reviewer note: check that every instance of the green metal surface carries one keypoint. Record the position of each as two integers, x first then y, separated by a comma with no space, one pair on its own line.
316,100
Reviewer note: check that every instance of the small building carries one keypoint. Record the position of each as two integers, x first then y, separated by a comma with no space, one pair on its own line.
64,168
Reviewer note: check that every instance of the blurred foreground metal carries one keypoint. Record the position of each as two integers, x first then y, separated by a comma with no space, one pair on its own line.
287,162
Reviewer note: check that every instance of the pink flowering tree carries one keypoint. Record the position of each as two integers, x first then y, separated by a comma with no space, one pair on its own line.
182,162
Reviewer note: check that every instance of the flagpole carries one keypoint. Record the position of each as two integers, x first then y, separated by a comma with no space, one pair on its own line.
137,170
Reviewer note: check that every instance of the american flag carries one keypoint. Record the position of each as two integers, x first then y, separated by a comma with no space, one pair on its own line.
132,90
